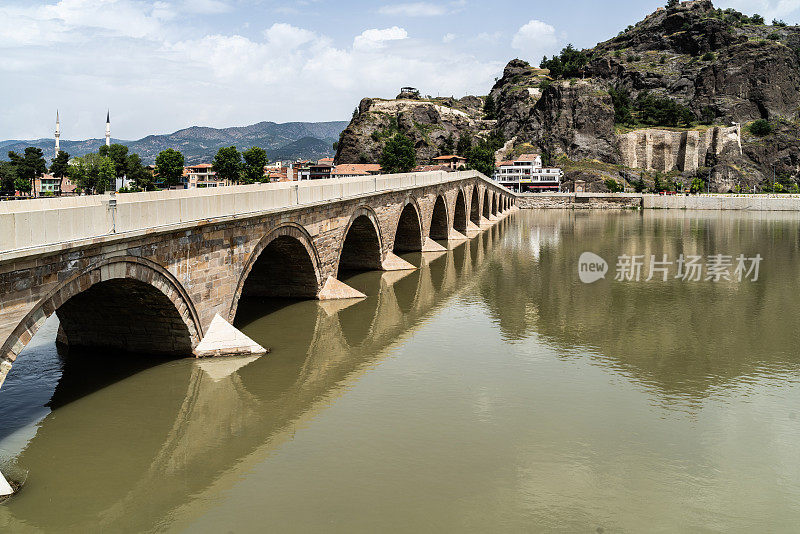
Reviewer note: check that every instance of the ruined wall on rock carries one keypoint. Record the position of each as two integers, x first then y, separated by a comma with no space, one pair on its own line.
666,150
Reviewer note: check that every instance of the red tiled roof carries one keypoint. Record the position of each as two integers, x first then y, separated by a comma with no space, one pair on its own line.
429,168
444,158
527,157
357,168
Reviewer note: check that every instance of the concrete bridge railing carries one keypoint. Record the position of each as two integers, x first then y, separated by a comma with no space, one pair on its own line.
58,221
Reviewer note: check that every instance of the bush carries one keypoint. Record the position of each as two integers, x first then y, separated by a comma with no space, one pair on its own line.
761,127
621,99
613,186
568,64
709,56
774,36
779,23
655,110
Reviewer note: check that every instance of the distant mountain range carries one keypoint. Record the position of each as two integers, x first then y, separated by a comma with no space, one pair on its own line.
287,141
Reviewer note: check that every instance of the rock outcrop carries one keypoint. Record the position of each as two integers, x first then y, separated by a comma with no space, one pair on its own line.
429,123
727,69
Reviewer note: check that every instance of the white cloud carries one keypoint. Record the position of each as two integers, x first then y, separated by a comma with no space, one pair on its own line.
413,9
375,39
534,38
287,36
769,9
207,7
158,76
449,38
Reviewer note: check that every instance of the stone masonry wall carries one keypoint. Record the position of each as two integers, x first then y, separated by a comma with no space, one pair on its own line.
665,150
572,201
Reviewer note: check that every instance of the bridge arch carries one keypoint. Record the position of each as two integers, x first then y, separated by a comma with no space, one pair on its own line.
485,209
408,236
284,264
494,202
124,303
460,213
362,243
440,226
474,206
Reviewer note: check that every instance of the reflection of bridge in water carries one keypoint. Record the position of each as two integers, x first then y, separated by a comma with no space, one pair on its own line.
229,414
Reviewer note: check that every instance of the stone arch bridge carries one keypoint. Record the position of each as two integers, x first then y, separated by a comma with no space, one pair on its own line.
149,272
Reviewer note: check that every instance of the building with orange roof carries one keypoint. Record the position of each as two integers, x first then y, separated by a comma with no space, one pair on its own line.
452,160
349,170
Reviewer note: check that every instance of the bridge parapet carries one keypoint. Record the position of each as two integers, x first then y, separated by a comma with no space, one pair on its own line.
54,223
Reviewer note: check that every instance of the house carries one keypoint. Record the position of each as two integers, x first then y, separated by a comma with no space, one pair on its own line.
526,174
322,169
201,175
349,170
48,185
431,168
452,161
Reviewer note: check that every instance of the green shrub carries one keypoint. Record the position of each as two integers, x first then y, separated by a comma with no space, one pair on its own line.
613,186
761,127
568,64
709,56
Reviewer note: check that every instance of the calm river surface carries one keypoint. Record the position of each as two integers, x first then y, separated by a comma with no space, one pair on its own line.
489,391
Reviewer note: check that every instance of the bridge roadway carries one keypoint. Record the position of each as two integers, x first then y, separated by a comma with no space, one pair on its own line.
148,272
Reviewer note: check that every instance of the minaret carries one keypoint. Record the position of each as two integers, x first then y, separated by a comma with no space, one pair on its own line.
108,128
58,134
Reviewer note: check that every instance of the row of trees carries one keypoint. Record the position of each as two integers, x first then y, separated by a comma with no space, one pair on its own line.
652,110
246,167
399,155
96,172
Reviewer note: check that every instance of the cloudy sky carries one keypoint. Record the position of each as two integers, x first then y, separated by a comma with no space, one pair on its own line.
164,65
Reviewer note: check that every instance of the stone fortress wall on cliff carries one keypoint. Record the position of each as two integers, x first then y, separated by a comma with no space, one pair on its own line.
666,150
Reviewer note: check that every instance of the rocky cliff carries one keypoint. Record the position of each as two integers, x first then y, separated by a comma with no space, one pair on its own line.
429,123
722,69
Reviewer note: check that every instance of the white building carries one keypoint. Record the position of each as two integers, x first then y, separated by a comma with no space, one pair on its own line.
526,174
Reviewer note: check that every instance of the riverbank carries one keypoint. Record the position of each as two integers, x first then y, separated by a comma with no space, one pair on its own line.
611,201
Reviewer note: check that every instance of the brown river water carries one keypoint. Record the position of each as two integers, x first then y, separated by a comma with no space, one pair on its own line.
491,390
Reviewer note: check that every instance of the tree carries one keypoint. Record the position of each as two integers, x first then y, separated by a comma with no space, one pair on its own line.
569,64
449,145
28,166
227,164
398,155
481,157
169,167
118,154
672,4
613,186
489,110
255,159
621,98
60,166
464,144
8,178
759,128
757,19
140,175
92,173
